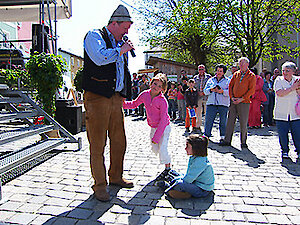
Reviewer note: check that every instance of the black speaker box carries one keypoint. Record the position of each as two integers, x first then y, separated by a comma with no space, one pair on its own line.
70,117
37,35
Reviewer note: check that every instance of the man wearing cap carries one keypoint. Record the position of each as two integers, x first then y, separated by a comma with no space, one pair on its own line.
106,81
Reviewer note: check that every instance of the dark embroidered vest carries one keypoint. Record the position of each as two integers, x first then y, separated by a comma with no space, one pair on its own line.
102,79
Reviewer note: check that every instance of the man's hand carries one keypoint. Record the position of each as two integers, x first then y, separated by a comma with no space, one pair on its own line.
237,100
220,91
126,47
201,93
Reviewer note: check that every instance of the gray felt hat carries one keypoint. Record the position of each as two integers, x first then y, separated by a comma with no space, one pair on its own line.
121,14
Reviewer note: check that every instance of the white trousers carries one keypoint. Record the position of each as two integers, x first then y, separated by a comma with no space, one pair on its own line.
162,147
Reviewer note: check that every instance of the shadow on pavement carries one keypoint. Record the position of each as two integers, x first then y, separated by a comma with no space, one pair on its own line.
198,205
263,131
245,154
91,210
292,167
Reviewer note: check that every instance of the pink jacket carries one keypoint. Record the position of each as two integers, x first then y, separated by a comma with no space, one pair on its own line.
156,109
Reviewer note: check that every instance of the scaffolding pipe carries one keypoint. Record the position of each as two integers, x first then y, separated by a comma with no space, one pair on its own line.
298,45
50,25
55,27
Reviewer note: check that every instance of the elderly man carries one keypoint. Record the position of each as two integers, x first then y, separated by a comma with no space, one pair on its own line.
241,87
200,80
106,81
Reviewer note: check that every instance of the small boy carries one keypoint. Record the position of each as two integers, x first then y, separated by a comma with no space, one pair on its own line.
191,101
172,101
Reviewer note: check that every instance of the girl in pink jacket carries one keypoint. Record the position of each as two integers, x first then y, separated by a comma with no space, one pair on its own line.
157,117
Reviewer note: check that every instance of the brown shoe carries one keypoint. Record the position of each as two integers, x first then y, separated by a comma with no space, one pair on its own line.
102,195
122,183
179,194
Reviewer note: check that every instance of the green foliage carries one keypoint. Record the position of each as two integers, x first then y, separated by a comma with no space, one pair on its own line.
78,80
12,77
45,71
220,31
252,26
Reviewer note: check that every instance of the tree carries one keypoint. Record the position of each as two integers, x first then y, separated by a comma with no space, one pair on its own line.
250,26
181,28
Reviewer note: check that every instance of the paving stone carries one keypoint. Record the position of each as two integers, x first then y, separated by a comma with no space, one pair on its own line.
287,210
164,212
11,205
64,221
234,216
295,219
108,218
246,208
142,209
273,202
4,215
80,213
54,210
212,215
58,202
232,200
30,208
267,209
157,220
256,218
61,194
224,207
278,219
121,209
253,201
42,219
177,221
22,218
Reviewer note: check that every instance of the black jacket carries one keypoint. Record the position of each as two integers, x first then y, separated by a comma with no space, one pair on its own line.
191,97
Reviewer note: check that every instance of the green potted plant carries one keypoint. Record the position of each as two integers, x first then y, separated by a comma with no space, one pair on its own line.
78,80
45,72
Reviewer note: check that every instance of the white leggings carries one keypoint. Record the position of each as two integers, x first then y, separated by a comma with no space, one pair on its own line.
162,147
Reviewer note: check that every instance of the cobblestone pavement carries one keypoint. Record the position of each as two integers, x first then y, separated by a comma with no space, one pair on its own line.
252,186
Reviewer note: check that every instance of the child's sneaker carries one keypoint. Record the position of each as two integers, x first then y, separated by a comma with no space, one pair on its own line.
163,174
162,184
187,130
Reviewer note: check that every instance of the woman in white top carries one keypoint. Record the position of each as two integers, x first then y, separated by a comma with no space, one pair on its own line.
287,89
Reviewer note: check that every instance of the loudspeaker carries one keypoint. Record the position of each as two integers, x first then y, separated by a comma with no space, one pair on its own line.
37,38
70,117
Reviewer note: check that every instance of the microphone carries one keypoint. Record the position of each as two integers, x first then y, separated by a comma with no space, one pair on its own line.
125,38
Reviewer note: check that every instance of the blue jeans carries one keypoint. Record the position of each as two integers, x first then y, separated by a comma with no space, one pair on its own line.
283,128
211,113
193,189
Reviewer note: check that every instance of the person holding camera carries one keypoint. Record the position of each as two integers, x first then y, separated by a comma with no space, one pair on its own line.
218,101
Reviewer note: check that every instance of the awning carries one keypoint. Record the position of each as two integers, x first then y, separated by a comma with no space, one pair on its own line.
28,10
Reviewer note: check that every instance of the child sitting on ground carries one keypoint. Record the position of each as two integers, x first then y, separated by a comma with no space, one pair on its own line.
199,178
157,117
